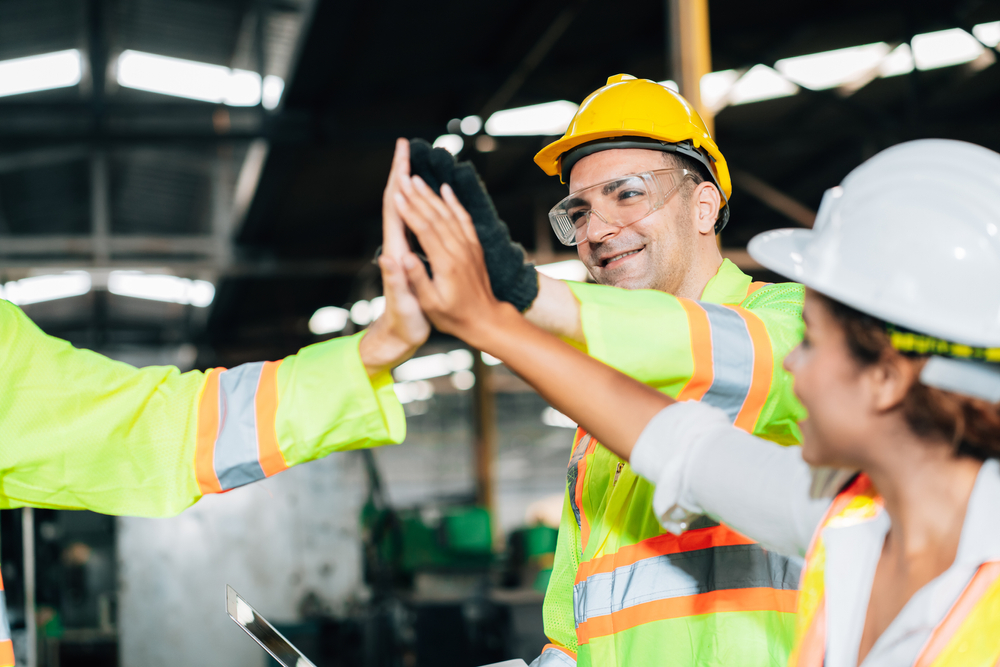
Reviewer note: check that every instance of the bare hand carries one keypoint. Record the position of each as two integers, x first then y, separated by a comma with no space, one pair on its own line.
458,300
393,232
402,328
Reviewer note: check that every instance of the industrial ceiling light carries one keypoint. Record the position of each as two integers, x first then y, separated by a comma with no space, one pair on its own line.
433,366
898,62
715,88
570,269
760,83
470,125
548,119
407,392
329,319
274,87
361,313
944,48
552,417
159,287
988,33
830,69
37,289
489,359
190,79
452,143
42,72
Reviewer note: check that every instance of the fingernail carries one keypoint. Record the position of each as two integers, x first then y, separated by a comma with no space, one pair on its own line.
409,261
400,199
419,182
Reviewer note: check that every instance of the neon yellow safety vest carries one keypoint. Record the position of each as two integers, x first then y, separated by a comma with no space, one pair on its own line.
625,592
969,634
81,431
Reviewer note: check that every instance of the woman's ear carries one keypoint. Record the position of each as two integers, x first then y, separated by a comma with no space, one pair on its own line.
891,379
705,204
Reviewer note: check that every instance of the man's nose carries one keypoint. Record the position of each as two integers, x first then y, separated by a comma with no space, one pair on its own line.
598,229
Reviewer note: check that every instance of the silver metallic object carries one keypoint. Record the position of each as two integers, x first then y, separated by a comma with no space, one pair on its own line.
263,632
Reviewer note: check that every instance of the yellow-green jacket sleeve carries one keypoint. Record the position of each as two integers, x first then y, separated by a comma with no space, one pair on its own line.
81,431
727,353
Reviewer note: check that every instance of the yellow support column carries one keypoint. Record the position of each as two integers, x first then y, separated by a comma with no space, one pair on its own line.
690,50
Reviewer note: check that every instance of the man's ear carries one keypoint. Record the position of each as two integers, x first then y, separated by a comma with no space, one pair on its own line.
891,380
705,204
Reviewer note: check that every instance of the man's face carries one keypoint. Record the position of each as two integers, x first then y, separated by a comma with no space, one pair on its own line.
654,253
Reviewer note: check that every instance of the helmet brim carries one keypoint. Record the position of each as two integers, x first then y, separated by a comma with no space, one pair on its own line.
782,251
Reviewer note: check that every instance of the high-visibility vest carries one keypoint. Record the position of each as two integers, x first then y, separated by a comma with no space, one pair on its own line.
6,646
708,594
623,591
966,637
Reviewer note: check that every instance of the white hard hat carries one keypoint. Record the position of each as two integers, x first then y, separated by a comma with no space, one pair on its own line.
912,237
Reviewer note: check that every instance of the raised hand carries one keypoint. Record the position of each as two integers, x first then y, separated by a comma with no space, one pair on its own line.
459,299
402,328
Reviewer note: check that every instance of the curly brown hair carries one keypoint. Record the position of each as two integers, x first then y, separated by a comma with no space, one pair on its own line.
972,425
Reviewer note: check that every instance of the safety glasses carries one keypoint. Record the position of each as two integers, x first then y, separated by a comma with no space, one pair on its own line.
619,202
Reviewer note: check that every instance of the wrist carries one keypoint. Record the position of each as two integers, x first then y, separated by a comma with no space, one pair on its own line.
486,331
381,352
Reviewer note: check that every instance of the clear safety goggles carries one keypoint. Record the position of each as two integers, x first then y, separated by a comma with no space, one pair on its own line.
619,202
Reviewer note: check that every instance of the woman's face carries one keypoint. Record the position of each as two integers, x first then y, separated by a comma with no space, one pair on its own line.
834,388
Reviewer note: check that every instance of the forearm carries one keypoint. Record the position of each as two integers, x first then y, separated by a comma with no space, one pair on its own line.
556,310
81,431
612,407
703,465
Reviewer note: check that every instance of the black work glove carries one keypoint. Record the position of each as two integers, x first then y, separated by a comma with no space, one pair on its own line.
513,280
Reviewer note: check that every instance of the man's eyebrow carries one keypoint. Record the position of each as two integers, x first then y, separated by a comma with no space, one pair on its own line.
612,186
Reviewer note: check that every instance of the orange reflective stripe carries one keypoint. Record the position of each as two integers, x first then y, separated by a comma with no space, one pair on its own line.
703,372
266,409
763,367
208,431
6,653
985,576
754,286
736,599
668,543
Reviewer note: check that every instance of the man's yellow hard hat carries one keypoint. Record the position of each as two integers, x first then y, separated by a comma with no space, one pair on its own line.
637,113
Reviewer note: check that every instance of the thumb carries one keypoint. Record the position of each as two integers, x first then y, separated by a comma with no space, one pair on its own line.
419,280
394,279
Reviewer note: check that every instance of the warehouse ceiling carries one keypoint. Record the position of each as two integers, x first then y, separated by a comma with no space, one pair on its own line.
277,205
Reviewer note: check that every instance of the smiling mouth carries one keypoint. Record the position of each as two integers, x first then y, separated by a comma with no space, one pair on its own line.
609,260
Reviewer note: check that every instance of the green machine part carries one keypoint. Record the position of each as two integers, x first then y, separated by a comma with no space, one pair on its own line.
459,538
534,553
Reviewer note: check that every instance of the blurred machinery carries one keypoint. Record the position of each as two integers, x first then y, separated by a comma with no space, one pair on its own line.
440,594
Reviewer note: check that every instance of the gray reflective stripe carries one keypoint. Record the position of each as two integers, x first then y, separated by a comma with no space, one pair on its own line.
682,574
236,461
553,657
4,620
732,360
572,474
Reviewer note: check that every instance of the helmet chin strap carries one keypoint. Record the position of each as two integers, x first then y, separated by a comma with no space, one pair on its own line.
978,379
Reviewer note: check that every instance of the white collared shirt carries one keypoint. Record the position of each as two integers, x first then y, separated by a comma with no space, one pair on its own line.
702,464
